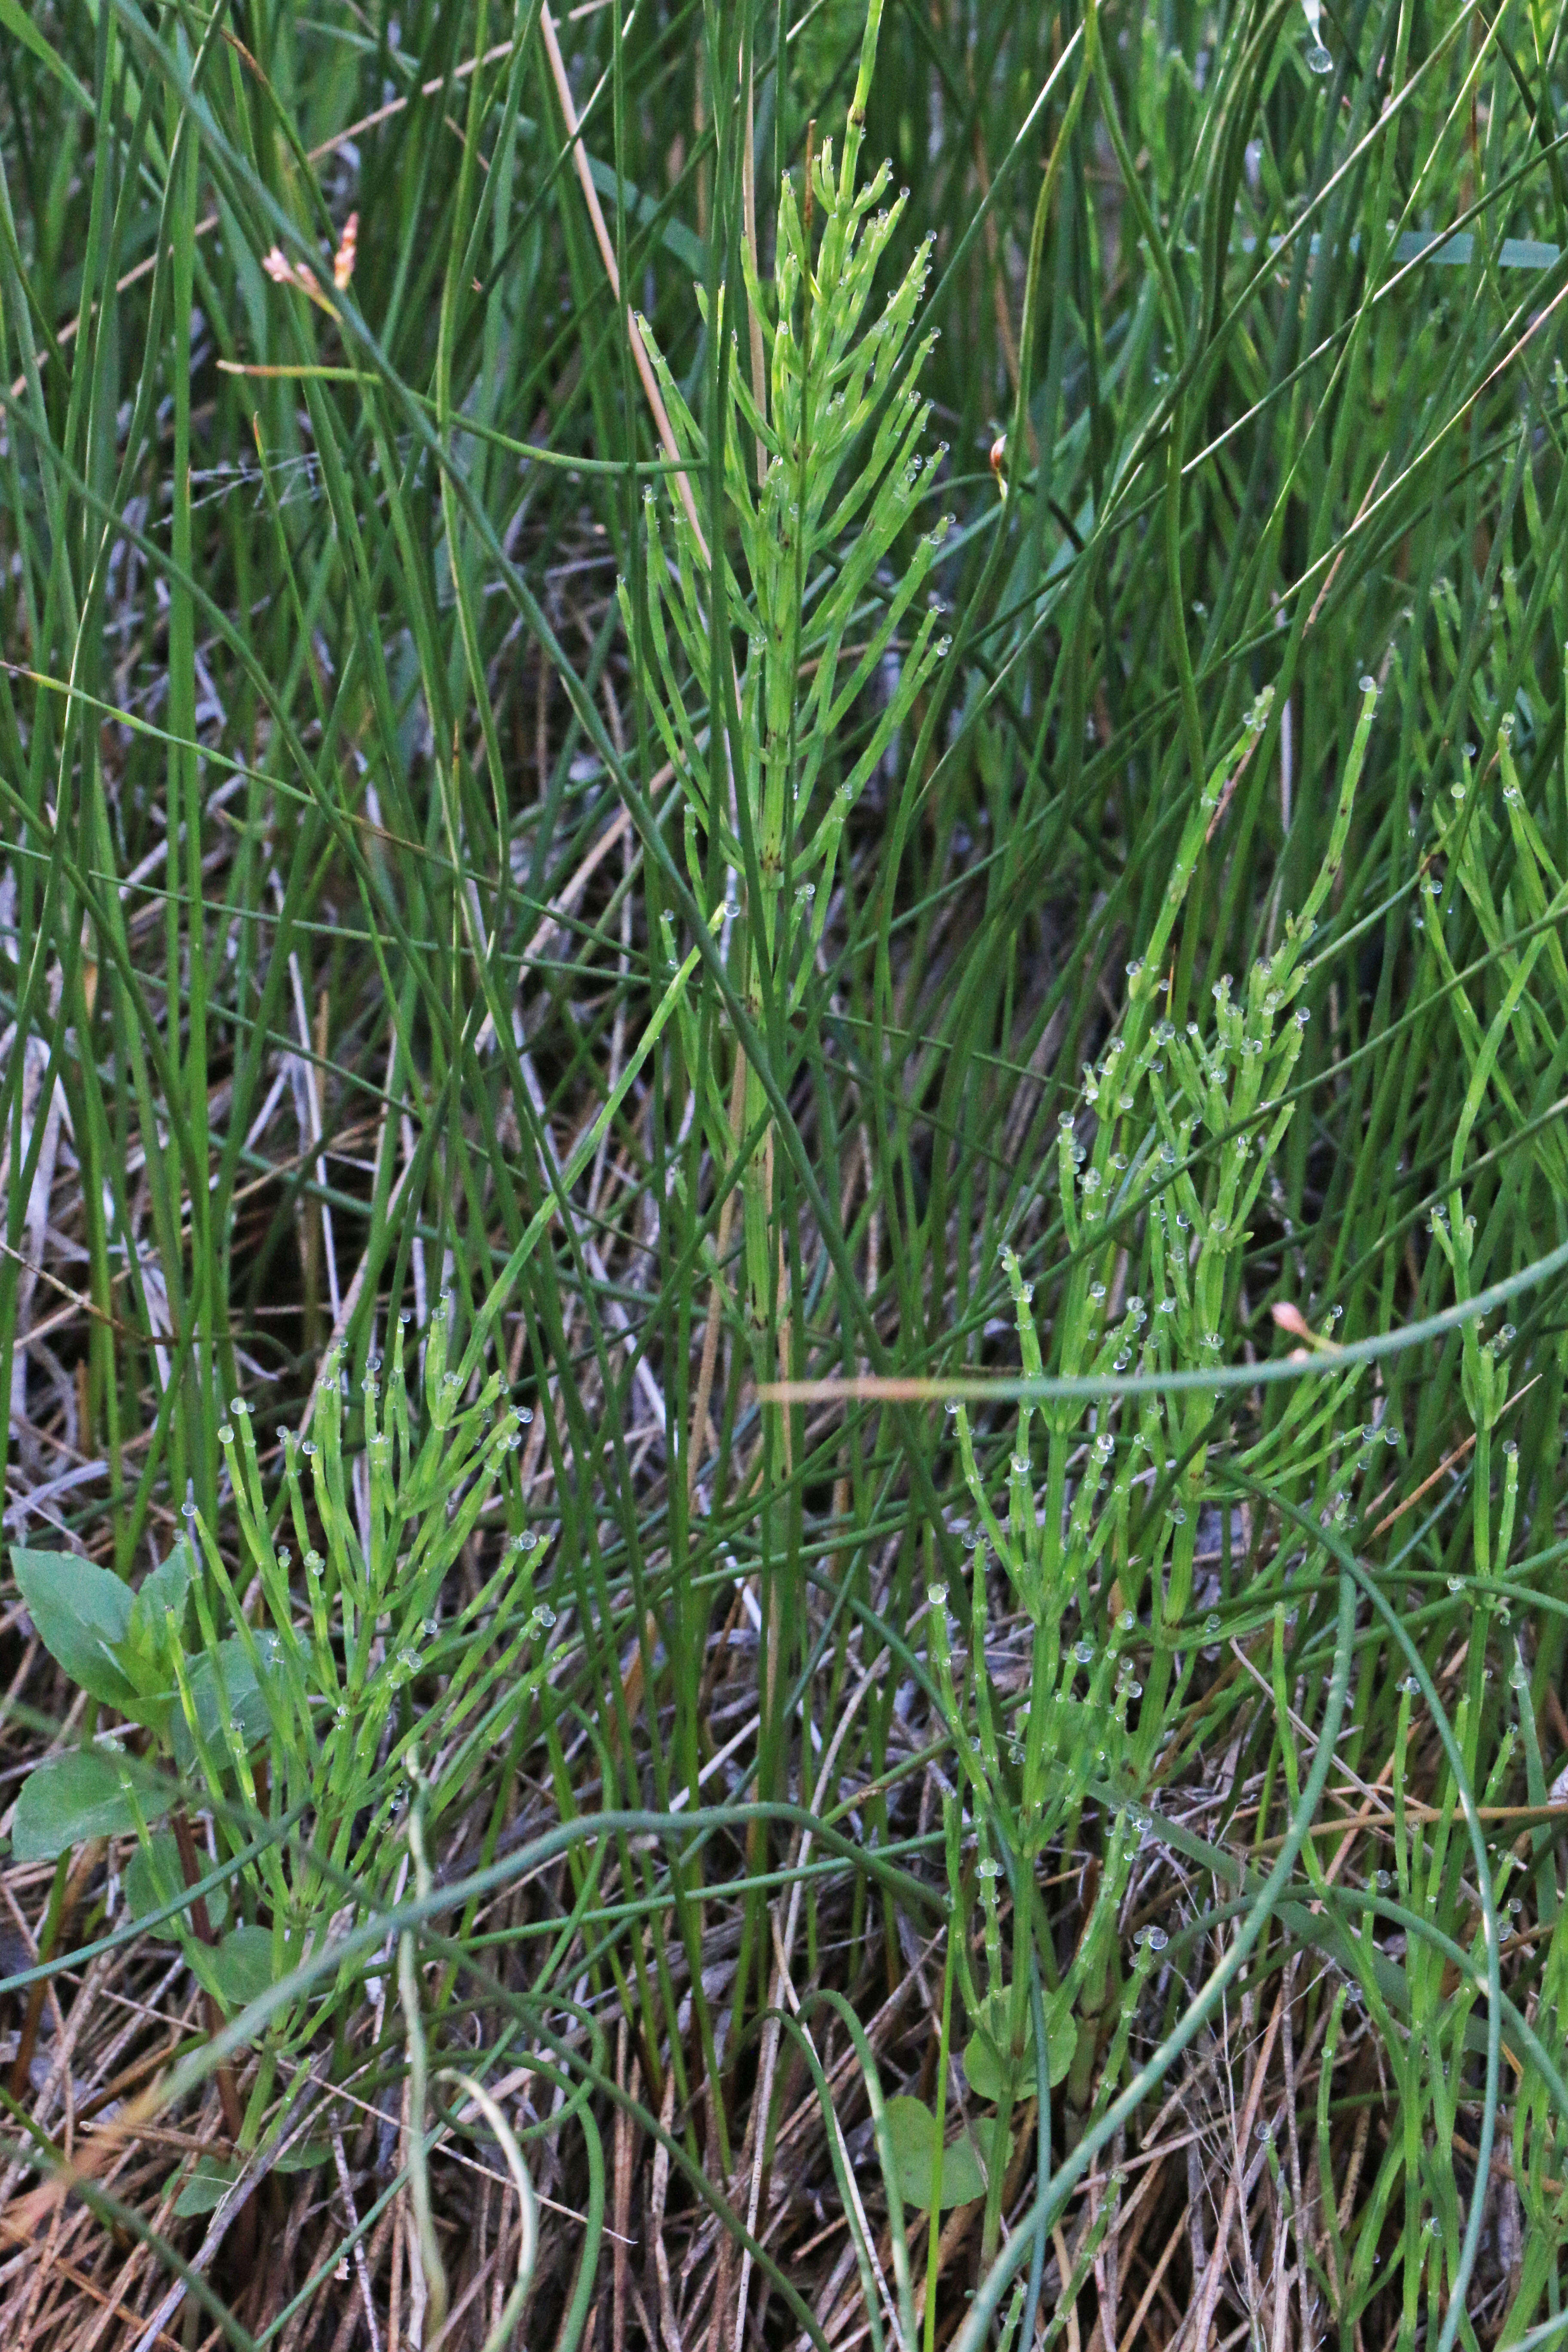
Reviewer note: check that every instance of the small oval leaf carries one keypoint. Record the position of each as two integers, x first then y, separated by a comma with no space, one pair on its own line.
242,1963
912,2129
209,2182
985,2065
987,2061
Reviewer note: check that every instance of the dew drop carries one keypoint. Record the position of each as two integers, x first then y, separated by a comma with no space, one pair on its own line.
1318,61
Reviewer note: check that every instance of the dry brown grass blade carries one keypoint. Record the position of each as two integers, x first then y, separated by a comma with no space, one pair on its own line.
1209,2292
21,2220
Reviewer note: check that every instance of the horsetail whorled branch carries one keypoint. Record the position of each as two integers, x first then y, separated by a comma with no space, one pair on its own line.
813,572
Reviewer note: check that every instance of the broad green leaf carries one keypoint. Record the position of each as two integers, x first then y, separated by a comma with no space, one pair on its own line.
210,2181
144,1655
167,1588
986,2058
73,1798
213,2175
242,1965
247,1700
1061,2040
82,1613
912,2129
154,1876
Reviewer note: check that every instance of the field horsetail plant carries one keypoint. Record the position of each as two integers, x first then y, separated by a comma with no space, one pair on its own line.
815,573
784,1042
299,1732
1101,1560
